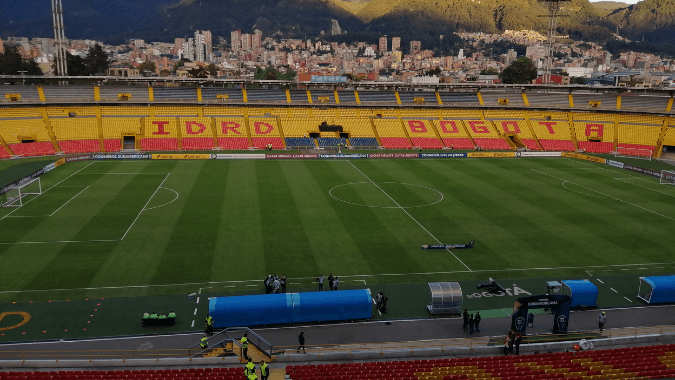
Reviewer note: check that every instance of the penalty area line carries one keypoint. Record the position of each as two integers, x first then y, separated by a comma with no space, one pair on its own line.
411,217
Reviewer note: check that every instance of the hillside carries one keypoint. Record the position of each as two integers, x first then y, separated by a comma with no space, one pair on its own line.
605,8
652,19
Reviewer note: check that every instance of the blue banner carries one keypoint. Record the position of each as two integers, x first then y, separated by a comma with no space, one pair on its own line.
442,155
329,78
124,156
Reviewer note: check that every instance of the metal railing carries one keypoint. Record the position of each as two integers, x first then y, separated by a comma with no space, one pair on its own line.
233,335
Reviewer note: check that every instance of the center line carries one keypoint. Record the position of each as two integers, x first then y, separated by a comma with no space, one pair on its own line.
406,211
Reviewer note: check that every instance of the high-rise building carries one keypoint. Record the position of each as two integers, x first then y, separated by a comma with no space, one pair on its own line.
415,47
235,40
396,44
189,49
382,46
256,41
178,43
335,28
460,55
208,40
511,56
200,47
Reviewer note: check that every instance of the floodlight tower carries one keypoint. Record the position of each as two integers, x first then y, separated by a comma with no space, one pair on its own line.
59,36
553,7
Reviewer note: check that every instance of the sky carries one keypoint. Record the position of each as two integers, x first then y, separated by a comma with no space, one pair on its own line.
621,1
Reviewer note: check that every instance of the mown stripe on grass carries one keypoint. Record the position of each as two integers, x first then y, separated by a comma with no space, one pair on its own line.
189,255
239,245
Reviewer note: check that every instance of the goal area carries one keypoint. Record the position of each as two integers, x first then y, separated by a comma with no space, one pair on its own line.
14,195
644,154
667,177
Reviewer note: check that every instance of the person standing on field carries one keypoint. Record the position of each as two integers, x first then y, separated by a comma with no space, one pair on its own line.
477,320
320,281
465,317
602,319
301,340
336,283
331,280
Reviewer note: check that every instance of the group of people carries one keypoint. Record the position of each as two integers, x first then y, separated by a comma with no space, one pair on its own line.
471,322
249,370
333,282
381,303
275,284
158,319
512,339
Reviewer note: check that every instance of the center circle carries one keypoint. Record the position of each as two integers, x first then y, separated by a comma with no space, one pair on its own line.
386,195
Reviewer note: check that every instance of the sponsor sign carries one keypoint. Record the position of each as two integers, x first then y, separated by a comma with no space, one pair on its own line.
616,164
538,154
449,246
181,156
394,155
584,157
346,156
243,156
442,155
491,154
638,169
24,179
122,156
49,167
290,156
78,158
60,162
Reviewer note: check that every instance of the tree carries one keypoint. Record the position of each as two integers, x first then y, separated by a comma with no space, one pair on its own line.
212,69
521,71
177,65
97,61
147,68
198,72
11,63
165,72
76,65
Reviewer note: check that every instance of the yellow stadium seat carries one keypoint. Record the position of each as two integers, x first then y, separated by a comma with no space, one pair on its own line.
328,114
389,127
356,127
669,139
7,113
411,113
66,112
586,130
231,127
125,111
481,129
176,111
13,131
460,114
75,128
223,111
638,134
263,127
196,127
300,126
116,127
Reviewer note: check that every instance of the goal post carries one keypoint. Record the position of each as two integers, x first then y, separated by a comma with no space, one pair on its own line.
14,195
667,177
644,154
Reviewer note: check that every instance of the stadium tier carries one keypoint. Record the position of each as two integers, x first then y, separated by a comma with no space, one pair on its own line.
4,152
160,144
111,145
391,134
363,142
595,136
33,149
233,373
197,143
453,134
75,128
80,146
300,142
231,133
422,134
652,362
485,136
552,130
331,141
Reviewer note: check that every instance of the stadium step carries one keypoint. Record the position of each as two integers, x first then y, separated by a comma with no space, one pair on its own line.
277,374
255,354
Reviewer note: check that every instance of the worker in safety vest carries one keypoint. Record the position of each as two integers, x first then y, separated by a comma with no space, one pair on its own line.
153,318
250,368
146,318
244,347
208,325
171,317
204,343
252,377
162,318
264,370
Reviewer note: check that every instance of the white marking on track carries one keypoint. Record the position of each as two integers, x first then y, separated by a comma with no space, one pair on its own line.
193,323
613,290
195,311
411,217
628,300
600,281
197,299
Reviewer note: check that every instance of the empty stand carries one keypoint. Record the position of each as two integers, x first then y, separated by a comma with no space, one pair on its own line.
346,97
33,149
491,98
28,93
16,113
391,134
111,93
485,136
644,102
422,134
67,112
223,111
222,94
595,136
424,97
363,142
74,128
607,101
161,133
197,143
548,99
175,93
155,144
653,362
112,145
18,130
331,141
327,95
80,146
300,142
233,373
176,111
267,95
71,93
4,152
299,96
125,111
196,133
265,131
231,133
453,134
366,96
459,98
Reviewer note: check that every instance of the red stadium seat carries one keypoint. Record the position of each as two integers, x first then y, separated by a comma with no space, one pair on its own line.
80,146
112,145
33,149
261,142
492,144
531,144
159,144
395,142
458,143
596,147
233,143
558,145
427,143
197,143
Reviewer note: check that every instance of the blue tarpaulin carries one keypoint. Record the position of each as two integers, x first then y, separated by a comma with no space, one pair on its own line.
657,289
583,292
288,308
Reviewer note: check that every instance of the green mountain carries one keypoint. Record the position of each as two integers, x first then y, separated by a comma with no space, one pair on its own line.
652,20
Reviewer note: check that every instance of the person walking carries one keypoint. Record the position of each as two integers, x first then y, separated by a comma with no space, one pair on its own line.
602,319
264,370
336,283
208,325
204,343
250,368
331,280
472,324
244,347
282,282
320,281
476,321
517,341
465,316
507,343
301,339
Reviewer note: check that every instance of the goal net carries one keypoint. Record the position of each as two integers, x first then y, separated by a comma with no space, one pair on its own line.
667,177
13,197
645,154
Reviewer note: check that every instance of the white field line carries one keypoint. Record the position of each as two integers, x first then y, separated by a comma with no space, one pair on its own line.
600,281
168,203
146,205
613,290
609,196
58,183
345,276
627,299
406,211
63,205
644,187
124,173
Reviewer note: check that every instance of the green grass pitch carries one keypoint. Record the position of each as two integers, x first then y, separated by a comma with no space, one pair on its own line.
169,227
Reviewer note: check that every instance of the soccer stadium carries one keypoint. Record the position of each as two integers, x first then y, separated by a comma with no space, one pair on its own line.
535,206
